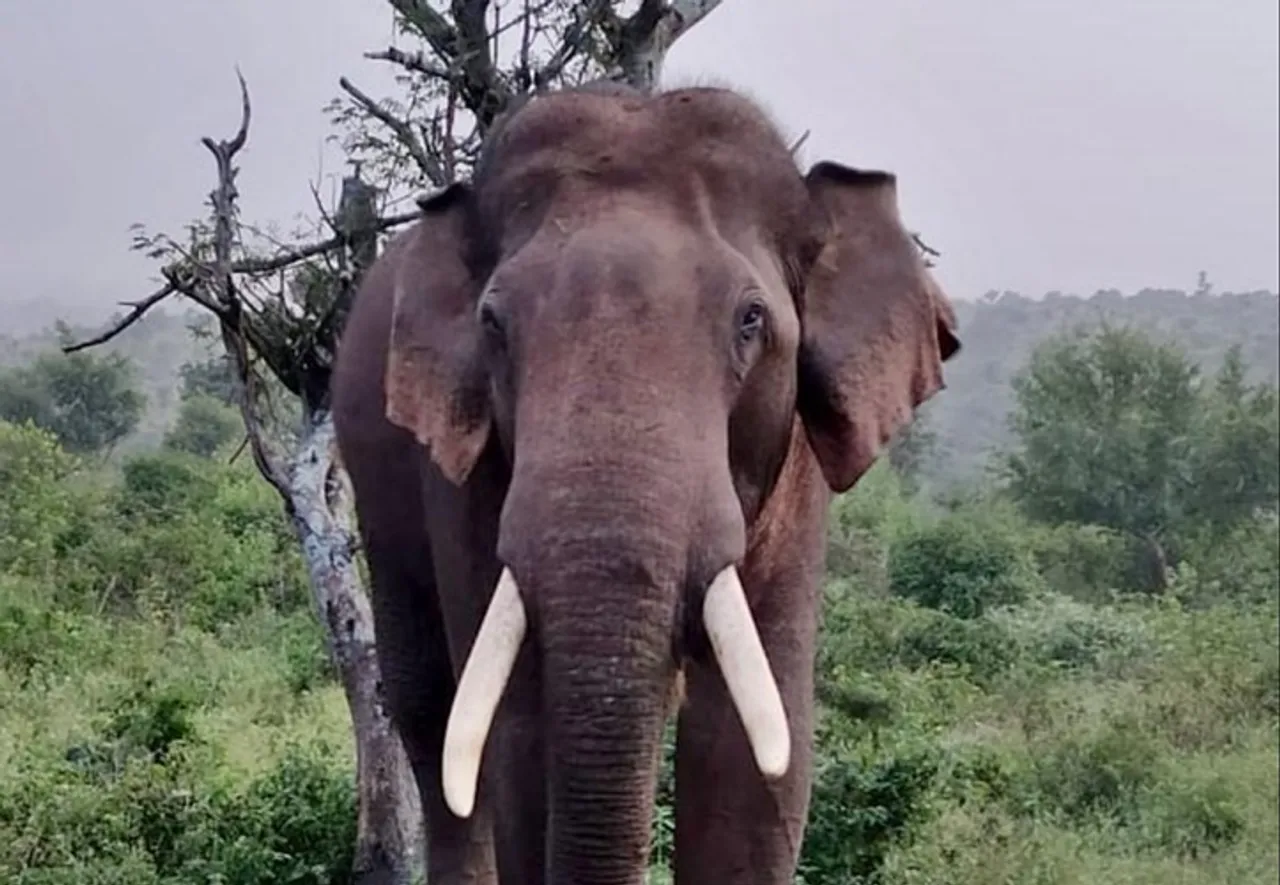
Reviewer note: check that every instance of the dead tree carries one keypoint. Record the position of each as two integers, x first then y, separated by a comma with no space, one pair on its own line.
279,311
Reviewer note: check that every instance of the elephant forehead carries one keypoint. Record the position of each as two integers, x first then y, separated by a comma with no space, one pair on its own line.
656,143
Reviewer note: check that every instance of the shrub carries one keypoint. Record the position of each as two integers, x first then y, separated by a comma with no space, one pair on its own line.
964,564
1057,630
184,539
203,426
1192,818
1100,773
861,807
295,824
1087,562
1241,566
163,486
171,821
862,523
982,647
37,503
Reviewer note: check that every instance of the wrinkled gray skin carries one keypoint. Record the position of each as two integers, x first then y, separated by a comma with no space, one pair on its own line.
641,346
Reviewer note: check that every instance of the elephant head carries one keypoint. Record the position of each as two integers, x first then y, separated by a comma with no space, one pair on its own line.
645,305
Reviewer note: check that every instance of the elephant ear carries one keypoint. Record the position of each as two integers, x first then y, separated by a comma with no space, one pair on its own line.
876,326
436,384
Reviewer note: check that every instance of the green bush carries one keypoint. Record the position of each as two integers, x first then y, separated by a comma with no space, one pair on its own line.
203,426
964,564
861,807
1241,566
181,538
1054,629
1087,562
36,499
166,822
157,487
1101,773
982,647
1192,818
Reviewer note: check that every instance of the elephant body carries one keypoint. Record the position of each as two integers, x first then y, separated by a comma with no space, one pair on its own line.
618,377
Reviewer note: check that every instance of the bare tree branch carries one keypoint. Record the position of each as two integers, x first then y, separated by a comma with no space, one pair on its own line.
925,247
464,46
649,33
429,23
139,309
402,130
411,61
593,13
223,200
180,281
293,256
482,89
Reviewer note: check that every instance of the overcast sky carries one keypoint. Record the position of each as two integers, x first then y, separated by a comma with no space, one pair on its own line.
1055,144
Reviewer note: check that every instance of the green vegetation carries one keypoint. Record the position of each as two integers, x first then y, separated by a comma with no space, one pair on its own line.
86,401
1004,698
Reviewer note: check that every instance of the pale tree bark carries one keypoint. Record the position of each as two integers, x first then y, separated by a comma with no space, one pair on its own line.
312,487
645,39
389,816
291,338
389,829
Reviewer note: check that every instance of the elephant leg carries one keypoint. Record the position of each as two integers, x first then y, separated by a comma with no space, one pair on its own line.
463,525
517,777
419,686
732,826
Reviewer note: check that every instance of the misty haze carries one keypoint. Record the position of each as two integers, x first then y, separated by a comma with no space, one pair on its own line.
1049,617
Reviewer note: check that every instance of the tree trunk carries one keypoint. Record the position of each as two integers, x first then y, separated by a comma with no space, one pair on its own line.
1154,564
390,827
641,55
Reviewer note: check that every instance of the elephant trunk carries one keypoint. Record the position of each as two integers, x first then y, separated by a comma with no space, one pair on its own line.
606,637
596,573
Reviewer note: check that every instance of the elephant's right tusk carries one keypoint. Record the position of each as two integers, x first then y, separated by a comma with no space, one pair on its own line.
484,677
747,675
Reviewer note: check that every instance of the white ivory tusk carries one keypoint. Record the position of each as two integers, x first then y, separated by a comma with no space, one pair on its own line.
746,671
484,677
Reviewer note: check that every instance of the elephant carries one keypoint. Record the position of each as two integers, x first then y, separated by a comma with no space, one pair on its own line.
595,404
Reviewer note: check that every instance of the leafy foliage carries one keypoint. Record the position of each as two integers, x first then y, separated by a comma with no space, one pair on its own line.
88,402
204,426
964,564
36,502
213,378
1116,430
1106,431
1000,332
992,703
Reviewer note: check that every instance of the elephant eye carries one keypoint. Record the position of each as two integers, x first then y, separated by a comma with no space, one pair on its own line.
751,322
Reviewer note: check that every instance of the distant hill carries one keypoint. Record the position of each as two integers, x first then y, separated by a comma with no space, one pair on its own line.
999,332
969,417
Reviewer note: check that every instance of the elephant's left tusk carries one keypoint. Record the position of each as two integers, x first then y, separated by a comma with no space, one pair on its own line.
746,671
484,677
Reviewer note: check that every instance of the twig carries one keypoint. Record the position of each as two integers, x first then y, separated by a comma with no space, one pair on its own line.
139,309
925,247
799,142
229,317
302,253
402,131
411,61
181,278
239,450
572,43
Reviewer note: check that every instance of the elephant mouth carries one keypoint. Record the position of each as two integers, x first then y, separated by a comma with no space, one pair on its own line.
735,643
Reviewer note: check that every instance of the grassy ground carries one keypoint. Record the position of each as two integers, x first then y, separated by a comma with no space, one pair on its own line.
992,714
